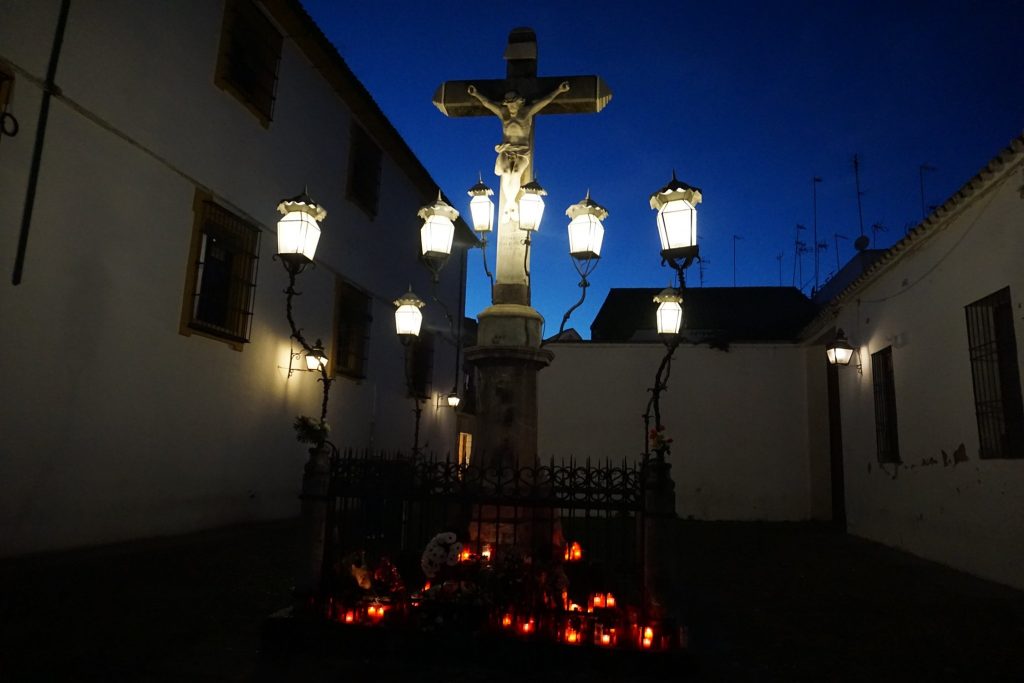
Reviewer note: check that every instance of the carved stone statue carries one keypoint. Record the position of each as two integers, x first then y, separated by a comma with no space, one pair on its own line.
514,152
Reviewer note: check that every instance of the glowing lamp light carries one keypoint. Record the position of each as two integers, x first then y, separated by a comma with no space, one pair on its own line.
572,636
375,612
298,230
605,636
598,600
466,555
486,553
586,230
506,621
408,317
676,204
453,399
350,617
526,627
647,639
531,205
609,600
316,358
573,552
839,352
481,208
438,230
670,311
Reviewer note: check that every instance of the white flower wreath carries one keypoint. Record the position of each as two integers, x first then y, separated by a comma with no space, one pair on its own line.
443,548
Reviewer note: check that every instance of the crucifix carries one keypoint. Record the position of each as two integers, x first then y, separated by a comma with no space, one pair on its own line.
515,100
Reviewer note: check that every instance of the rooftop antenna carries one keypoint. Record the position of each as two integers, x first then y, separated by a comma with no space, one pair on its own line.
921,170
701,262
861,243
778,257
875,229
820,246
796,253
835,238
735,238
814,187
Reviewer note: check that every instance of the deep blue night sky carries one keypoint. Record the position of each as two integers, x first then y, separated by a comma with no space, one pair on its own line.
747,100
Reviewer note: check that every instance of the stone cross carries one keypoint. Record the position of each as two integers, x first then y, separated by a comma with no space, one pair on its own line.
515,100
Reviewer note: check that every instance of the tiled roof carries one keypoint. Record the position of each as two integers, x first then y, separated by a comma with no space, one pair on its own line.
1011,155
718,315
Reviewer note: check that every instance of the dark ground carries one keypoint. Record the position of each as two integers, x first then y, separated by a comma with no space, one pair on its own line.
763,601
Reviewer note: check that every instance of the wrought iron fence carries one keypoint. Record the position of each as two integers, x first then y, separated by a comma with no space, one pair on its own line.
387,504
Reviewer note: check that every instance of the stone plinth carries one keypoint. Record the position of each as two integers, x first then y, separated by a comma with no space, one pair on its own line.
505,363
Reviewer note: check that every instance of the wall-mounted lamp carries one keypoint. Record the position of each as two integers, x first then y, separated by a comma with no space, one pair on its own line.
839,351
451,399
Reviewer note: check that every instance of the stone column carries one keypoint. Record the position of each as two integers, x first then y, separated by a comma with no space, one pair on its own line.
505,363
315,482
659,520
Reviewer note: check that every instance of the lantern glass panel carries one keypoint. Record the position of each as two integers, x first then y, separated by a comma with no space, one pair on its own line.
314,361
531,210
408,320
453,400
670,317
298,233
481,208
585,236
677,225
839,355
436,235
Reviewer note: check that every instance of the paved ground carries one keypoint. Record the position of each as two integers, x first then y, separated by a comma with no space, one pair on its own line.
786,602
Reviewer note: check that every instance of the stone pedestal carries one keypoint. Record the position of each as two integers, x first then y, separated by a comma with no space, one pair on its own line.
505,363
315,481
659,522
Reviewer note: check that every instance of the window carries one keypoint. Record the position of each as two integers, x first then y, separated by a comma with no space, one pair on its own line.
221,278
250,51
364,159
352,317
997,395
886,433
421,365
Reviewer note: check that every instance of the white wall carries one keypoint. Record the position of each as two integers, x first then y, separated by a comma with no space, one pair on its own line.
738,420
969,515
113,425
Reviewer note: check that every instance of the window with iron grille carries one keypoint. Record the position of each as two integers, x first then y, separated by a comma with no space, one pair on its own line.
421,365
886,431
250,52
221,280
997,394
352,318
364,159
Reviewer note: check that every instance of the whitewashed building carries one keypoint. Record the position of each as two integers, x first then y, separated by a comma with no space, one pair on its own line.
918,443
146,383
932,425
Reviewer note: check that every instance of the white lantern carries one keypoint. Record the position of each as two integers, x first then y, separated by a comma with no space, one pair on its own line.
298,231
839,352
677,218
481,208
316,358
408,317
531,205
586,231
453,400
438,230
670,311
